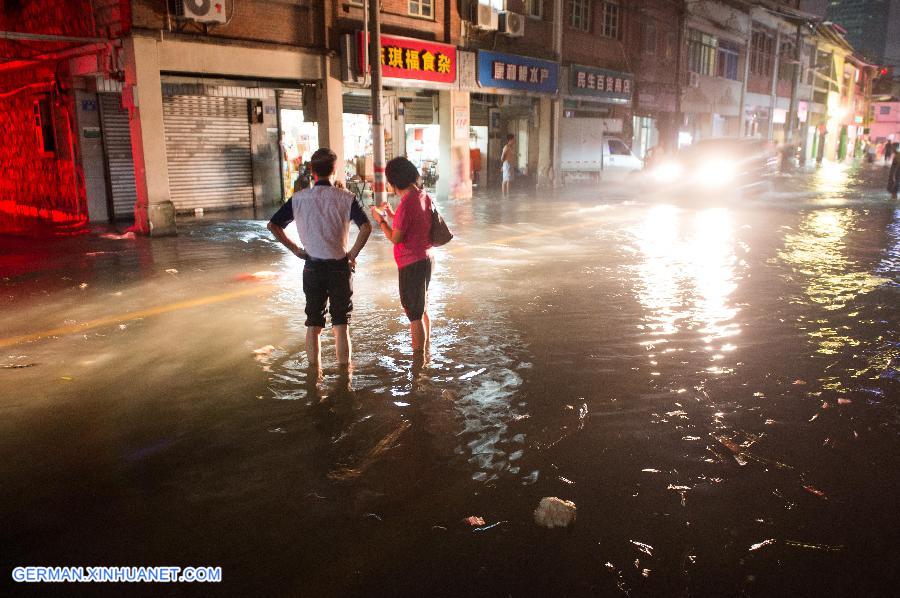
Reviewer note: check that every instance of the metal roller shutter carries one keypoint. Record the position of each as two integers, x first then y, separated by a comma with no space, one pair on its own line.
354,104
291,99
479,114
208,148
419,111
117,148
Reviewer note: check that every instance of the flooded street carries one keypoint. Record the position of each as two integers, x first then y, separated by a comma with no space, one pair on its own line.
714,384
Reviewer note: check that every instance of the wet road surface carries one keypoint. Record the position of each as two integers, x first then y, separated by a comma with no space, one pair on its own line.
715,385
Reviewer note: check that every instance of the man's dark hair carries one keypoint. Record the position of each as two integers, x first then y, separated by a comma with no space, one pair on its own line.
401,173
322,162
510,137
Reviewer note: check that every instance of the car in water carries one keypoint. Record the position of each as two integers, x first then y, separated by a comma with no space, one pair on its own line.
717,166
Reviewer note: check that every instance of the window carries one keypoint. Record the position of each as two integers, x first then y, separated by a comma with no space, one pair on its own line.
610,27
618,148
421,8
534,8
762,53
728,58
649,38
43,125
580,14
702,52
786,62
884,109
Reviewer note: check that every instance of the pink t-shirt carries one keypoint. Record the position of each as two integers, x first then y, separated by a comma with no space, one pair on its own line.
413,219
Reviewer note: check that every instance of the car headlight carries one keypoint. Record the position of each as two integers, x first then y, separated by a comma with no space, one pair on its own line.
716,173
667,172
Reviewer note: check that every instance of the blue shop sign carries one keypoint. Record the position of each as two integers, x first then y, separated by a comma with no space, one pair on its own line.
509,71
601,83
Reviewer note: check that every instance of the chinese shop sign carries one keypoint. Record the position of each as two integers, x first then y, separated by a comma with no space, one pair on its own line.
408,58
601,83
509,71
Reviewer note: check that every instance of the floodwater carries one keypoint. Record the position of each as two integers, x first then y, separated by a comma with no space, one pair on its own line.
715,385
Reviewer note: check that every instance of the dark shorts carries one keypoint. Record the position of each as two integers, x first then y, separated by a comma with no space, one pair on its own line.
328,283
414,281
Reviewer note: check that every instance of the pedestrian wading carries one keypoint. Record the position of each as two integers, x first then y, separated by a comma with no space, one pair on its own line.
322,214
410,232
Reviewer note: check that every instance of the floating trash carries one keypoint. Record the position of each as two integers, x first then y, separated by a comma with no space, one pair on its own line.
555,512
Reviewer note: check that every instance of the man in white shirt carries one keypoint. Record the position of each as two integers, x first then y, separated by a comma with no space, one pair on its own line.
322,215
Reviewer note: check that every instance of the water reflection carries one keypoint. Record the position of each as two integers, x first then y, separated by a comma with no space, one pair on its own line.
686,275
818,251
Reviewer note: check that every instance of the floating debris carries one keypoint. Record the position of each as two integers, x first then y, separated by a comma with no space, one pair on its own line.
808,546
645,548
474,521
16,366
650,470
172,271
491,526
763,544
114,237
815,492
555,512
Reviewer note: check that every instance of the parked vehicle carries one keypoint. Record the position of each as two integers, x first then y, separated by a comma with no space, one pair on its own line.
720,166
589,154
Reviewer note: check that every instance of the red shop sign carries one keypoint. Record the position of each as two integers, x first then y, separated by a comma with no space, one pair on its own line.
409,58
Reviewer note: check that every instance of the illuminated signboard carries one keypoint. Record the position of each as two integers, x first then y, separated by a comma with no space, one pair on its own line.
601,83
510,71
409,58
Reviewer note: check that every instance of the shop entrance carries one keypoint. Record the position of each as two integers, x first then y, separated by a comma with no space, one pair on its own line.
299,138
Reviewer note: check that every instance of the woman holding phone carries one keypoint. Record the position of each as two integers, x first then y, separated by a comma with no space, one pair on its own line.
410,232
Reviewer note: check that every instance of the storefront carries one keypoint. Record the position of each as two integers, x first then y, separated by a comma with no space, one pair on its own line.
596,105
514,99
414,73
654,121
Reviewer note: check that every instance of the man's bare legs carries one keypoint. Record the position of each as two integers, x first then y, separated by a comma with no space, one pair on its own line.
504,188
426,322
342,345
343,348
313,350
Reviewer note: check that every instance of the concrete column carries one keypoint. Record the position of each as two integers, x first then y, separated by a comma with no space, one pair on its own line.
330,112
545,142
154,213
455,177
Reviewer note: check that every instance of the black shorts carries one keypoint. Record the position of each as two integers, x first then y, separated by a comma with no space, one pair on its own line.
414,281
328,283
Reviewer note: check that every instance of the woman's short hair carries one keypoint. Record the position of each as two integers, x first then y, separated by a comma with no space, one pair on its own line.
401,173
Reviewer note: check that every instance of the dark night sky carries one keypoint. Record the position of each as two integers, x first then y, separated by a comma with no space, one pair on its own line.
817,7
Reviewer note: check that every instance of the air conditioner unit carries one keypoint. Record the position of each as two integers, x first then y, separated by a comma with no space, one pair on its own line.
201,11
693,79
512,24
484,17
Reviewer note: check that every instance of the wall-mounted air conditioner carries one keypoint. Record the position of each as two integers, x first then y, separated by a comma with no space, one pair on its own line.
511,24
484,17
201,11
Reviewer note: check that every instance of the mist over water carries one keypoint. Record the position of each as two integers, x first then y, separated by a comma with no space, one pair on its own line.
714,384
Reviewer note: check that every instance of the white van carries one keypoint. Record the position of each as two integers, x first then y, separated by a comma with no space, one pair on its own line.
588,153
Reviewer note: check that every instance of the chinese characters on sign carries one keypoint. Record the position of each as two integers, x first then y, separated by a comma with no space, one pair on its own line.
407,58
517,72
601,83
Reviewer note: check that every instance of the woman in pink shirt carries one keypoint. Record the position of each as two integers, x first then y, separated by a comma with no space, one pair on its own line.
410,232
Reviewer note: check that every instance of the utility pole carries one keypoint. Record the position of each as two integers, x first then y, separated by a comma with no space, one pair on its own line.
557,101
773,99
795,89
379,196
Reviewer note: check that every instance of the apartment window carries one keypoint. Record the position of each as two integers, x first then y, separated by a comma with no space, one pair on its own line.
649,38
43,125
786,62
421,8
534,8
762,53
610,27
580,14
728,58
702,51
884,110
